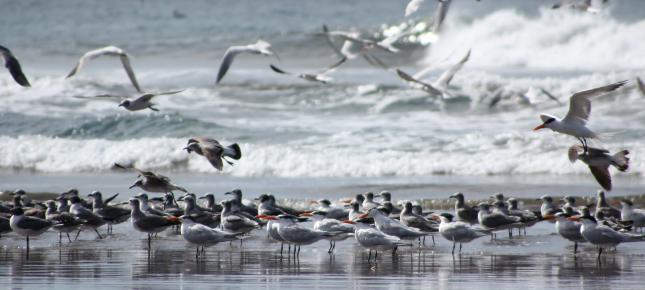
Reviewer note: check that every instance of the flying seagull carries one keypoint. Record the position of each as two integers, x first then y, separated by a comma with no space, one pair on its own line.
575,122
321,76
136,103
261,47
214,151
109,51
599,161
440,87
12,64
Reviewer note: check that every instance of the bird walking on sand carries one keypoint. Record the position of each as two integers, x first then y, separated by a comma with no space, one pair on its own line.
108,51
214,151
457,231
63,222
374,239
203,236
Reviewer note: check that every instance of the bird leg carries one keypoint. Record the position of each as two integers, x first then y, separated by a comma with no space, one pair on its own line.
599,253
227,161
331,245
393,250
369,257
77,234
281,248
453,247
60,238
460,244
97,232
68,238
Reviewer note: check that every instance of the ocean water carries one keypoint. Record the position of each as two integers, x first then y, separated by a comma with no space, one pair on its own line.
365,124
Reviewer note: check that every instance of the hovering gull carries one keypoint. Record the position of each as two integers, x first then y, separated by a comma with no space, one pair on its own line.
109,51
575,122
599,161
213,151
12,64
352,50
136,103
321,76
152,182
385,44
261,47
440,87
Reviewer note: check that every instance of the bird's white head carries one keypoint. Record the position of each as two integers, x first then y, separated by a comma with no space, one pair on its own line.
547,122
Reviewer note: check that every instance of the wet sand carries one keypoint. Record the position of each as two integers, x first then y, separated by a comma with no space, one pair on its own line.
539,260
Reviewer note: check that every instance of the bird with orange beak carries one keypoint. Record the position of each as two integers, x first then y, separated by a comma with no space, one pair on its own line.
575,122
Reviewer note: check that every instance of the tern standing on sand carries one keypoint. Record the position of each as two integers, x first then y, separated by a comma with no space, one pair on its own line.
575,122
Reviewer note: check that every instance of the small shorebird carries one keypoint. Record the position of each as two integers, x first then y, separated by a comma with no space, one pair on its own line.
211,205
575,122
300,236
108,51
635,215
368,202
599,161
548,208
152,182
393,227
214,151
12,64
332,212
235,222
260,47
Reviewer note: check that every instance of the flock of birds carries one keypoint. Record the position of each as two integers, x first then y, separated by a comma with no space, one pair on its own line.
375,226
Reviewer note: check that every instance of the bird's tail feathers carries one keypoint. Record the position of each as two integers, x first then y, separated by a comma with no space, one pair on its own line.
233,151
621,161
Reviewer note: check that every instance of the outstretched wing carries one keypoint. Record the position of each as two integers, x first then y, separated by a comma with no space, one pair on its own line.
128,69
227,60
602,176
580,103
278,70
11,63
426,87
446,77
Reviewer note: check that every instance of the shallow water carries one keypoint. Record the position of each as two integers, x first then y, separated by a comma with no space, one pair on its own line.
539,260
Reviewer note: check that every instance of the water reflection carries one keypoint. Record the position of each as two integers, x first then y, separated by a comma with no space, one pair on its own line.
171,263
